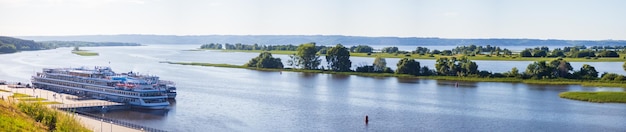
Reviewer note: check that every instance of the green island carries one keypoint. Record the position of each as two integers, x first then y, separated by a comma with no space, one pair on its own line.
84,52
35,117
599,97
458,67
473,52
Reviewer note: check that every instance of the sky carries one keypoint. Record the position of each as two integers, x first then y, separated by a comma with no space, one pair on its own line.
537,19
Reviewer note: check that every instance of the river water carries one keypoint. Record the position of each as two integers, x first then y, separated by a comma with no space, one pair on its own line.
227,99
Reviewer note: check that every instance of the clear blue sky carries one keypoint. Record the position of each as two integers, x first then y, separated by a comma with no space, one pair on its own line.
542,19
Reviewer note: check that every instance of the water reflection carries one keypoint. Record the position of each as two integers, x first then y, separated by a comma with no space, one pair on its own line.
408,80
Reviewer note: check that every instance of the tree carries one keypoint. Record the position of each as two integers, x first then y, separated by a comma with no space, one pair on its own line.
608,53
538,70
361,49
456,67
366,68
446,52
442,66
265,60
467,67
390,50
408,66
540,53
525,53
380,64
586,72
513,73
583,53
425,71
8,48
612,77
553,69
557,53
306,57
338,58
561,68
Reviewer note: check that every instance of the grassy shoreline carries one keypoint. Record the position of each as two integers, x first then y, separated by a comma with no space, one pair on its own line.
595,83
36,117
417,56
598,97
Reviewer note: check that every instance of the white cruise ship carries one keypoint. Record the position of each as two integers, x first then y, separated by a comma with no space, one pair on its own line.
143,91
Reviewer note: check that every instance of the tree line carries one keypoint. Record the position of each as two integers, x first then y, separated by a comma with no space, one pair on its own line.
12,45
338,59
573,52
471,50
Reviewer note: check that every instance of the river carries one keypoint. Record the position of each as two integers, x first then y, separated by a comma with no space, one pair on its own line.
227,99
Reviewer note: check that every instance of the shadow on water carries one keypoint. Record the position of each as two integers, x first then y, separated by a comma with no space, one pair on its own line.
408,80
541,87
339,76
308,75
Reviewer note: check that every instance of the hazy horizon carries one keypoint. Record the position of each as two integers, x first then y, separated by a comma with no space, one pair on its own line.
475,19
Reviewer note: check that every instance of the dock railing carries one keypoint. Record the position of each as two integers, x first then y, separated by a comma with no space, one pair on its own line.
83,108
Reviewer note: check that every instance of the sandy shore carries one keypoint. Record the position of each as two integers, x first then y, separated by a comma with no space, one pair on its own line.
90,123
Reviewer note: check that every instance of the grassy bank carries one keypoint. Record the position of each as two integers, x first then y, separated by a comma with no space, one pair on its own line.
477,57
35,117
594,83
599,97
85,53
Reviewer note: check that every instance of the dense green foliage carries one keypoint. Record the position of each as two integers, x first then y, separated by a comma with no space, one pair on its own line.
265,60
456,67
600,97
35,117
612,77
306,57
361,49
379,66
408,66
14,120
211,46
557,68
389,50
51,118
472,50
586,72
338,58
11,45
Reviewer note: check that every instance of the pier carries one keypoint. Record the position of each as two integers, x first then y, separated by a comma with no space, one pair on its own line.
80,106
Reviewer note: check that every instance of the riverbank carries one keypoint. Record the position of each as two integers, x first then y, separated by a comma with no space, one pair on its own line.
49,96
451,78
427,57
598,97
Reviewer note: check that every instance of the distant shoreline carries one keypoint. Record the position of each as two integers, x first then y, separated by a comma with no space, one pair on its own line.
416,56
